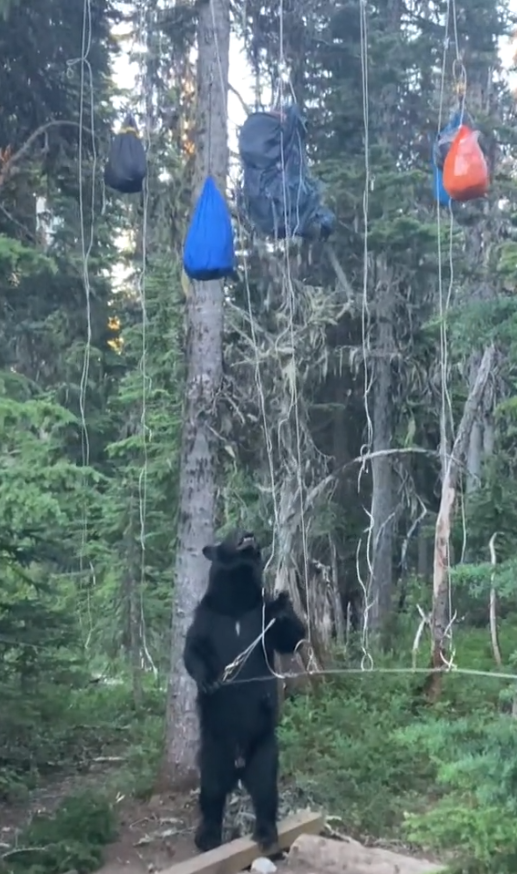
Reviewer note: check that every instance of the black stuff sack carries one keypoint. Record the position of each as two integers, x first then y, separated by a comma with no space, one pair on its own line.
278,195
127,165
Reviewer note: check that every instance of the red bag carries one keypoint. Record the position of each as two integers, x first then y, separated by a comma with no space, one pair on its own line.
465,171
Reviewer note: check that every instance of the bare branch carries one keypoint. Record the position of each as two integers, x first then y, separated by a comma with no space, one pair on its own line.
340,273
244,105
9,166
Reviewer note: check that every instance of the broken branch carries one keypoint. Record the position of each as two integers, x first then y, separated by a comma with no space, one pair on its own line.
494,637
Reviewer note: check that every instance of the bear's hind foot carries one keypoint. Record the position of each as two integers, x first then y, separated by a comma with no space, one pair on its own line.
208,836
266,835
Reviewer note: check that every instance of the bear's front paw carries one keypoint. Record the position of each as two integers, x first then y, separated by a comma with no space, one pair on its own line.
208,687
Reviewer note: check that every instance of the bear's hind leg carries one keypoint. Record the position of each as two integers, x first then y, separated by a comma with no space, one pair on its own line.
218,778
260,778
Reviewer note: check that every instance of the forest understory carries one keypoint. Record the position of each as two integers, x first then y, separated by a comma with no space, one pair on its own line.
349,399
364,748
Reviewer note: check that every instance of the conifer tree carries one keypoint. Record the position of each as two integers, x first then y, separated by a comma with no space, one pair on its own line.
197,490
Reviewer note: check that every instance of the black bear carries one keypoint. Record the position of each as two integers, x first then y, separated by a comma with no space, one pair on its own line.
238,720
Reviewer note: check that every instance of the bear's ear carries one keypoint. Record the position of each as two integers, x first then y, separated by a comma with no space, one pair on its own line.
210,552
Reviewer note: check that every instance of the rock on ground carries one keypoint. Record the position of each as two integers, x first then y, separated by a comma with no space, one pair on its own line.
311,854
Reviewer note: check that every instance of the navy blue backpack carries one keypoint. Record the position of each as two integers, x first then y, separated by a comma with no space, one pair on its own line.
209,251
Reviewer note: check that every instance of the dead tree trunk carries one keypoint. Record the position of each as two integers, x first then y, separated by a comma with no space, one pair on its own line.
204,356
481,442
381,547
440,618
381,585
131,587
382,505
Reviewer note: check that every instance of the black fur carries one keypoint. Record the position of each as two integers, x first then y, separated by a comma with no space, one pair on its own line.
238,721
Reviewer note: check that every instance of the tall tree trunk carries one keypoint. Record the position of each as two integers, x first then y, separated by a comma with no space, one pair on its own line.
440,617
382,506
381,552
133,598
204,353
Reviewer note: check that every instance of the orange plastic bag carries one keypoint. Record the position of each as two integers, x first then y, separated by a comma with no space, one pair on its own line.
465,171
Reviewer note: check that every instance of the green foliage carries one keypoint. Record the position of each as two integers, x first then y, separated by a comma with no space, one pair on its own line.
443,778
476,766
142,461
72,839
341,748
87,549
39,488
18,260
63,725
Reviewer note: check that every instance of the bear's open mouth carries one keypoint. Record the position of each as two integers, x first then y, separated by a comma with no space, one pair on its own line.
247,541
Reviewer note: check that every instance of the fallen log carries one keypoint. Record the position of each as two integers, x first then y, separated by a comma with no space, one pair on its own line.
327,856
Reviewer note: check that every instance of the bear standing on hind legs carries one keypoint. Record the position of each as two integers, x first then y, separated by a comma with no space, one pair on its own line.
238,720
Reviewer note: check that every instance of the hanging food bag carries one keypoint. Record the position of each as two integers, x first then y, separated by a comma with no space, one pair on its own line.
127,165
209,252
445,137
440,194
465,171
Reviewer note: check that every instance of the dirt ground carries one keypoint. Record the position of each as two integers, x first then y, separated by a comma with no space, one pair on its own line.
152,836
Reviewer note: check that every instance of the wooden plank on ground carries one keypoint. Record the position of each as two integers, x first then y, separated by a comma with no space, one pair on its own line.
237,855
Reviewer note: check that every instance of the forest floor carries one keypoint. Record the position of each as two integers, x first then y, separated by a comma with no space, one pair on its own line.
152,835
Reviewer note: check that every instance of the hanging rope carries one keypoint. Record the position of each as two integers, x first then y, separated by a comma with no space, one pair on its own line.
294,400
262,398
144,39
446,411
86,240
237,664
366,449
234,668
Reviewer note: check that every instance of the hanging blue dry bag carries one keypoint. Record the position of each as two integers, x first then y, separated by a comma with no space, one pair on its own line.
209,252
439,192
439,149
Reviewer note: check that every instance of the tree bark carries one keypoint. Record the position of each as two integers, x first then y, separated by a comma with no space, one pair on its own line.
382,505
381,582
133,595
204,357
440,614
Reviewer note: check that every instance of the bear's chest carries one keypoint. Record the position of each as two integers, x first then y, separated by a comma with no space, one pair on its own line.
236,634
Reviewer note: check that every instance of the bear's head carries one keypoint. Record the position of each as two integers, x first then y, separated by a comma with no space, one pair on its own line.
235,578
238,549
